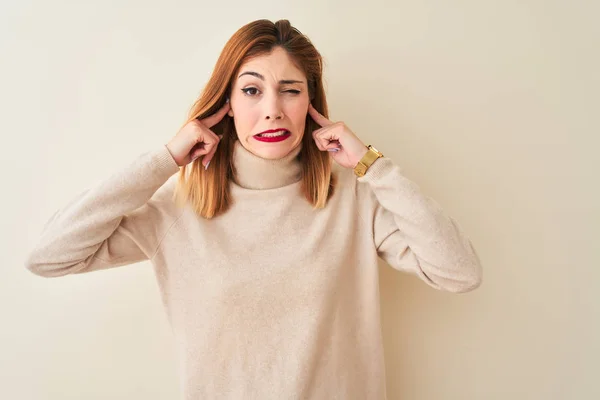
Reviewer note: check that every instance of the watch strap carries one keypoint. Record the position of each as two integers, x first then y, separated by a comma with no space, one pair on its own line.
368,159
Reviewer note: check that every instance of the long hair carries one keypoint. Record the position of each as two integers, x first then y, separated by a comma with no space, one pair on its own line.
208,191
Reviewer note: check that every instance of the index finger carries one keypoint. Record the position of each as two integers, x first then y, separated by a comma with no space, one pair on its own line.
319,119
214,119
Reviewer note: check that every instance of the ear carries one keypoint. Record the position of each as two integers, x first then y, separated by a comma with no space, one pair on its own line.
230,112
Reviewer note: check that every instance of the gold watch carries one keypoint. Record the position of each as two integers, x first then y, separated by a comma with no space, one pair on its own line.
368,159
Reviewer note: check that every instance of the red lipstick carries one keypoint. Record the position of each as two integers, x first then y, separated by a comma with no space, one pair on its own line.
272,139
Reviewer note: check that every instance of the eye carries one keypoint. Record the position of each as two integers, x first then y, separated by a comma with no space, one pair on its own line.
247,91
293,91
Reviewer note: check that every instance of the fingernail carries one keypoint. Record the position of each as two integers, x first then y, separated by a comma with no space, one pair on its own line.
206,166
334,149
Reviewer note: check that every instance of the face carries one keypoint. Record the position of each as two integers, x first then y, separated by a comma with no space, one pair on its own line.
270,93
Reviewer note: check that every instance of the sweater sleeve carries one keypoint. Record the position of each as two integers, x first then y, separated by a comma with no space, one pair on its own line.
114,223
413,234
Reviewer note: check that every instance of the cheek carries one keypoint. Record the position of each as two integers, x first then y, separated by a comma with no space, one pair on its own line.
245,119
297,114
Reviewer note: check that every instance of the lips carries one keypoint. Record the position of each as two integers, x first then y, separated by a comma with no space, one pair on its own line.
273,135
272,132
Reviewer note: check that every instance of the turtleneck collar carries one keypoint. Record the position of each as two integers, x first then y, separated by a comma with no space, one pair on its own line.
253,172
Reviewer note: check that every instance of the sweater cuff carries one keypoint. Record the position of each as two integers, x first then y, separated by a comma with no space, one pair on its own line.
377,170
163,162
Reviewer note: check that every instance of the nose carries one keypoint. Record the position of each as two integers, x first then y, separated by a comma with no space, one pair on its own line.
273,108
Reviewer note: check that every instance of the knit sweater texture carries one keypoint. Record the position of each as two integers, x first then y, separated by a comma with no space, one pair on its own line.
273,299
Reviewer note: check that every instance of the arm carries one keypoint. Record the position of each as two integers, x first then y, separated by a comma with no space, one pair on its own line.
116,222
412,233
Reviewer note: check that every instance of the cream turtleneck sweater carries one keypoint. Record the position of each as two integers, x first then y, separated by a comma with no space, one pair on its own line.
273,299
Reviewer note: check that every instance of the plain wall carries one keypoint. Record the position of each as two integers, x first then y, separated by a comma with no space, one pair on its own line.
490,106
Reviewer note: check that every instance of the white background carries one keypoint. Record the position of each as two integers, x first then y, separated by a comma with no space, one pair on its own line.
490,106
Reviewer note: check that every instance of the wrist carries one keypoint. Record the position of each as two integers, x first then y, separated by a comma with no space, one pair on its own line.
361,155
370,156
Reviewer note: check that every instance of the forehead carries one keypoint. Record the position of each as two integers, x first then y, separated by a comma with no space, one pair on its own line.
275,65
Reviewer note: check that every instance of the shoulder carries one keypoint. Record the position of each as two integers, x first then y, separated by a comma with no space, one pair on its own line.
346,180
163,200
345,177
348,185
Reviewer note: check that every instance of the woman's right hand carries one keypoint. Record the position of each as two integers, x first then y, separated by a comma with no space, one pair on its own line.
196,139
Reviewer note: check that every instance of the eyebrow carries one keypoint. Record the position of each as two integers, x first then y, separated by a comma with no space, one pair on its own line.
259,76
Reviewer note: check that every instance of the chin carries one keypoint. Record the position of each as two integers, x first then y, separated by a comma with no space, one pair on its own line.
273,151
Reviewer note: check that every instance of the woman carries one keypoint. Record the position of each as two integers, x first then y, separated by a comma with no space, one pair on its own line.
265,249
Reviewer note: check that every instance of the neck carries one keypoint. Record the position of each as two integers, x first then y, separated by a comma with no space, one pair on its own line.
254,172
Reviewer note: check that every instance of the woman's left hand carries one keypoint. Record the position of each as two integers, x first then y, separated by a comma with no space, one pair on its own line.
344,146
